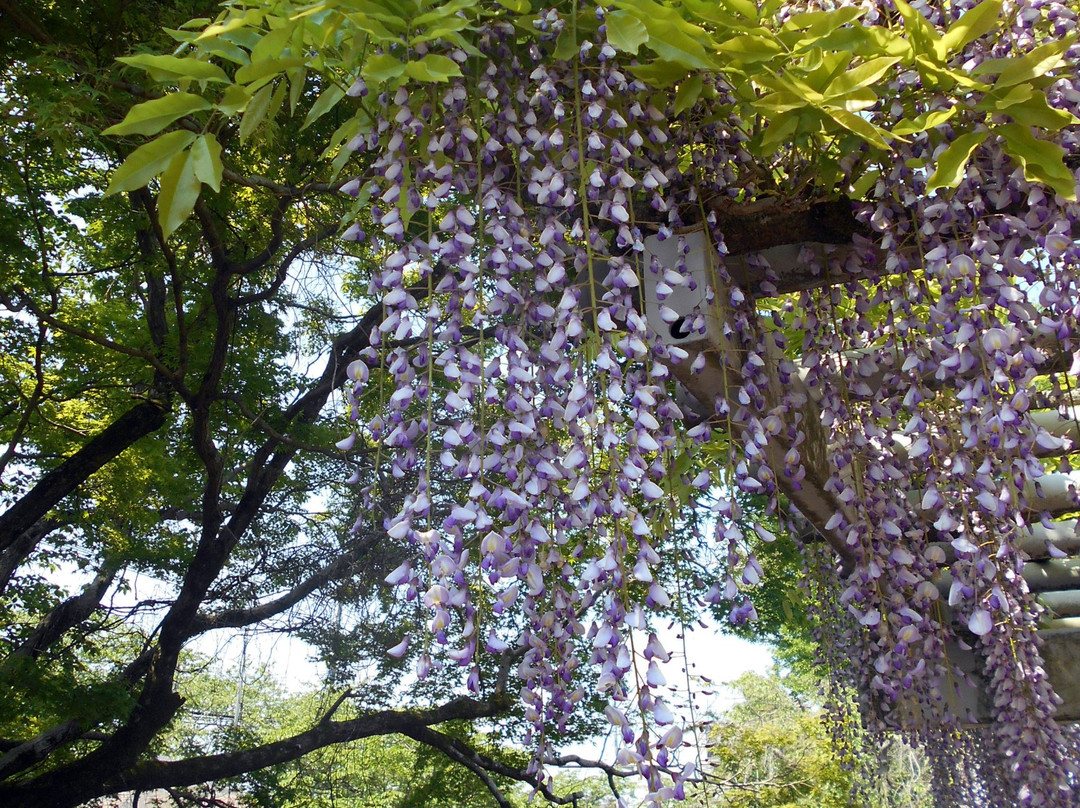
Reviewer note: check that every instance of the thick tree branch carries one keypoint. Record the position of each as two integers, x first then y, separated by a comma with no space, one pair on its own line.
68,614
161,774
139,421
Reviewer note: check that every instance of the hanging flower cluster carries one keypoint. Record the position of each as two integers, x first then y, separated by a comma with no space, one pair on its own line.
514,207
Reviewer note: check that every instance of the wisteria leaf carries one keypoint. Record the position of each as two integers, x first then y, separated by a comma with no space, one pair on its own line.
928,120
1042,161
206,160
167,68
977,21
688,94
147,161
626,32
382,67
952,162
179,192
150,117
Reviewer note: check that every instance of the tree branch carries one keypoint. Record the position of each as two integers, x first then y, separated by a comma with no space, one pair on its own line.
68,614
139,421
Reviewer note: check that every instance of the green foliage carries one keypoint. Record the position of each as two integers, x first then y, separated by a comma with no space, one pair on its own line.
808,82
773,750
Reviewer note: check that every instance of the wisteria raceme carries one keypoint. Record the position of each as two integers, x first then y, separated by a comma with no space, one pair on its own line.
516,377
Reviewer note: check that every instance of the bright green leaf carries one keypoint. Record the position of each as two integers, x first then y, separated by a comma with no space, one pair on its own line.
1037,62
780,102
297,77
782,128
147,161
255,112
888,43
150,117
234,100
952,162
1035,111
326,101
864,75
928,120
382,67
973,24
873,135
861,186
250,19
179,192
659,73
919,30
750,49
516,6
266,67
169,68
820,23
206,161
625,32
432,67
688,94
1042,161
444,13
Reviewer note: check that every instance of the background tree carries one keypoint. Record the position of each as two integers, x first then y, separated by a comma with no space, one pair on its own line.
773,748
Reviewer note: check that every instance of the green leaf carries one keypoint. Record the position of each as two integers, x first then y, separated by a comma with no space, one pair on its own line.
951,163
373,24
326,101
712,11
782,128
748,48
168,68
921,32
234,100
744,8
671,37
432,67
297,77
179,192
864,75
150,117
445,14
1037,62
659,73
255,112
888,43
873,135
249,19
206,161
820,23
936,76
1035,111
625,32
516,6
1042,161
928,120
688,94
863,184
973,24
566,46
251,73
780,102
147,161
382,67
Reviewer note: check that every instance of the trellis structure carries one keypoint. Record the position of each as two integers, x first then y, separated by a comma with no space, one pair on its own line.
1051,544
